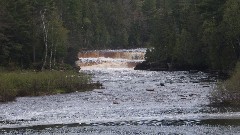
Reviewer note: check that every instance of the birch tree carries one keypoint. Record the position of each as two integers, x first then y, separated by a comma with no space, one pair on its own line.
45,35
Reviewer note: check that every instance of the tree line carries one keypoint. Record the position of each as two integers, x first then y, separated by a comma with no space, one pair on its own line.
192,33
195,34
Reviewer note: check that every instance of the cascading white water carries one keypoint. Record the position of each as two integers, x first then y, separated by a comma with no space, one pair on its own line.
111,58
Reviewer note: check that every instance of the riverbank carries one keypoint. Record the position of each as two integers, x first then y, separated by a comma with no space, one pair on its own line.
30,83
228,92
164,66
125,101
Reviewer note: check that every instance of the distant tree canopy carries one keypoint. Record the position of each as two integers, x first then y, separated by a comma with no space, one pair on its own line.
195,33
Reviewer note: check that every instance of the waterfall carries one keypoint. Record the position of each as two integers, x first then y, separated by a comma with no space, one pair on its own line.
111,58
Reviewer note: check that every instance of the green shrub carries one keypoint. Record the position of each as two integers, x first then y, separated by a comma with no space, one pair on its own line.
228,92
27,83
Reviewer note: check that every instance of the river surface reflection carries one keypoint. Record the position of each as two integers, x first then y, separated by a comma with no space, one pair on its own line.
132,102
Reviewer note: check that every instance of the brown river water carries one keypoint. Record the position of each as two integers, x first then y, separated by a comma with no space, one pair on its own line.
131,102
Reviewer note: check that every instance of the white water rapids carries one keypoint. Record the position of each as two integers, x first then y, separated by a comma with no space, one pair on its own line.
132,102
104,59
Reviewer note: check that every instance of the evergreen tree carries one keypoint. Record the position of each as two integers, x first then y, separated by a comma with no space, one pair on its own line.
191,33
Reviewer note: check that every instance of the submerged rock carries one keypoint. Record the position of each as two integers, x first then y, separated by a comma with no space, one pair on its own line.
115,102
195,81
149,89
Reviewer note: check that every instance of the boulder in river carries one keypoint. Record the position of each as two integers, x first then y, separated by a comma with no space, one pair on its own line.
115,102
149,89
195,81
143,66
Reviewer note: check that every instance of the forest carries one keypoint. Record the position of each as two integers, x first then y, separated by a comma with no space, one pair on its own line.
42,34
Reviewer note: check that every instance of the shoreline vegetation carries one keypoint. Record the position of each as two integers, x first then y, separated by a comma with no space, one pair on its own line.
164,66
30,83
227,93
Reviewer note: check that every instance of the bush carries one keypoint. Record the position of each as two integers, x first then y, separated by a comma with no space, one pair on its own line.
18,83
228,92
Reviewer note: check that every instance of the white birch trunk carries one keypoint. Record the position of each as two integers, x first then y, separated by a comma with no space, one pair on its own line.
45,32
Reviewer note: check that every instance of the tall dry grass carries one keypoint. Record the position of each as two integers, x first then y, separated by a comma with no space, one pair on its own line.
18,83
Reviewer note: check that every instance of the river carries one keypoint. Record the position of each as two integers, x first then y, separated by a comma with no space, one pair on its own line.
130,102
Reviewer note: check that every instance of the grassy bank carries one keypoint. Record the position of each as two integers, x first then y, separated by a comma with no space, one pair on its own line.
228,92
19,83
